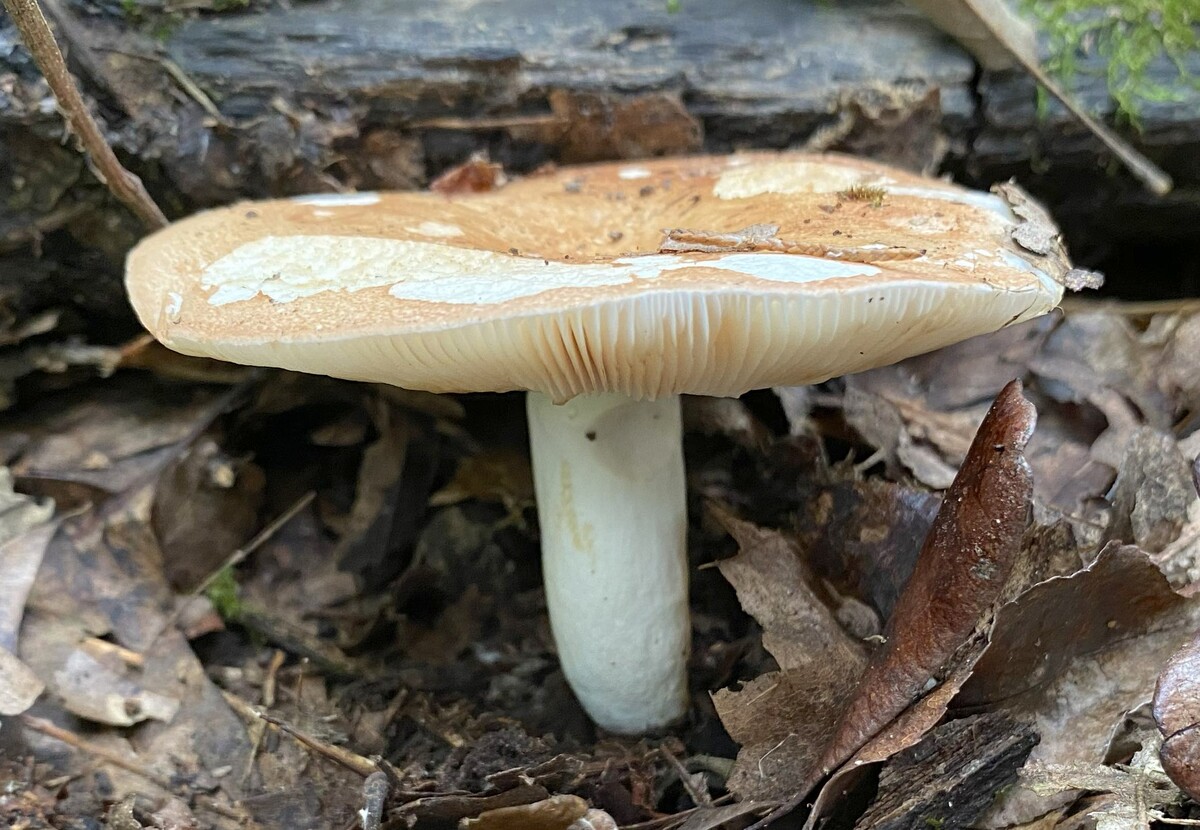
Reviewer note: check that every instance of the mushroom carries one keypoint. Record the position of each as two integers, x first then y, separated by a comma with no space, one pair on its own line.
774,270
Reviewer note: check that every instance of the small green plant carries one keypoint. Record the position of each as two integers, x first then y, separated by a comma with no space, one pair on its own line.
1130,35
223,594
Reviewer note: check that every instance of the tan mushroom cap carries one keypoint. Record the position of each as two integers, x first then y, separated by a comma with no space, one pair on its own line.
556,282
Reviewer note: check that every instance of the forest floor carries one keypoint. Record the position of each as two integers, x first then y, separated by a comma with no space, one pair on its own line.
239,598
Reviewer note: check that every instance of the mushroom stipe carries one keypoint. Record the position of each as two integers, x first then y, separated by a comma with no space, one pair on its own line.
562,284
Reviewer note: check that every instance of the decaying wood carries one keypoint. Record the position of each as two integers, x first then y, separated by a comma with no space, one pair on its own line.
381,94
35,31
951,777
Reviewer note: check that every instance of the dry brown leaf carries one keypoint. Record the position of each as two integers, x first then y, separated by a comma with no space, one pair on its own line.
368,528
117,437
205,506
1072,656
594,820
1153,491
502,476
102,573
934,634
1131,796
25,530
19,686
714,818
96,692
782,719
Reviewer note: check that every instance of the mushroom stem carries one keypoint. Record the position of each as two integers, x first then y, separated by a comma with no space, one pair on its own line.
612,507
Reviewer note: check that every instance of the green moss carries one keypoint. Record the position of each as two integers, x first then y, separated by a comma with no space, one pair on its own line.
1130,36
935,823
223,594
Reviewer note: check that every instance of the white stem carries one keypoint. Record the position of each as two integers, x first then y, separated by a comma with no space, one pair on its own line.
613,513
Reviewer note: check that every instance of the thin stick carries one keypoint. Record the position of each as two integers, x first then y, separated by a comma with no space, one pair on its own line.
350,760
1147,172
38,37
234,559
238,555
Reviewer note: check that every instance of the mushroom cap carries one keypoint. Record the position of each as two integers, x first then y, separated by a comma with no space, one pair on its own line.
556,282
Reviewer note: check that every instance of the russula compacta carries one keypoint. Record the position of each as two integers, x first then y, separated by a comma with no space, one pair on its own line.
605,292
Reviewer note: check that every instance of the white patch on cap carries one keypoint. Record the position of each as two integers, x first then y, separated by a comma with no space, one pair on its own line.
973,198
287,268
790,268
339,199
789,177
633,173
174,306
436,229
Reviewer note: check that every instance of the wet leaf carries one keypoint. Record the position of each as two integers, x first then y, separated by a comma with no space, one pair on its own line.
963,566
1177,713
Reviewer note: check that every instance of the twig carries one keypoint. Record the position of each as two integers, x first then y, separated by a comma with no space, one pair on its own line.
259,539
103,648
1132,309
350,760
192,89
127,187
699,797
104,753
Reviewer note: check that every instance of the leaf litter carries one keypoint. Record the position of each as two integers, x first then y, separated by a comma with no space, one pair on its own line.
267,600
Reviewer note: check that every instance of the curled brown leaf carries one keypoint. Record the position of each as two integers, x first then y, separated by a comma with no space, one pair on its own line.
933,634
964,563
1177,713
